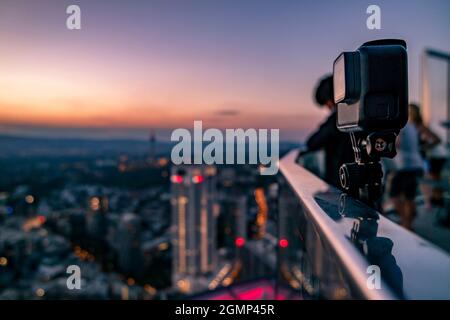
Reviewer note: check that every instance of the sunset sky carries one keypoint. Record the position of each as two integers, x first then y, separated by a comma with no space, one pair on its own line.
139,64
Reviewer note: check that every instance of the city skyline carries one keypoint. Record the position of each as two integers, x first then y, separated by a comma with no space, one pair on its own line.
157,65
173,152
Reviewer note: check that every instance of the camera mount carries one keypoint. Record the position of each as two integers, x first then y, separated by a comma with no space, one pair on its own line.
363,178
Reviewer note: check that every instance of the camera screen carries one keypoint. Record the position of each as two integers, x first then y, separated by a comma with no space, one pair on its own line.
339,79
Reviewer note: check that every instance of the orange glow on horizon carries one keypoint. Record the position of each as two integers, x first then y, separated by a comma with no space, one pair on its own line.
80,94
129,117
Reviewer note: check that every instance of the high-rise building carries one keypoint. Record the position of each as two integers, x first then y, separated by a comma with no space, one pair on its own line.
129,255
194,214
233,221
97,209
96,225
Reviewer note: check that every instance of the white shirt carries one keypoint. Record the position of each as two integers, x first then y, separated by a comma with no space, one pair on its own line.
408,156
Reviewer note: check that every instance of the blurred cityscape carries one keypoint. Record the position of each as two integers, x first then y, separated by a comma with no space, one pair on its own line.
137,227
141,228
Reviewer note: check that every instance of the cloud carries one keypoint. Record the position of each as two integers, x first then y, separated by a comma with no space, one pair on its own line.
227,112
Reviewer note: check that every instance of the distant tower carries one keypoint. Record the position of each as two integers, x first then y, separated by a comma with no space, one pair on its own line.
152,140
96,215
96,224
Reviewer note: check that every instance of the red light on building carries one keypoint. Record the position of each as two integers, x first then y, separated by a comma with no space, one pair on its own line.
41,219
197,179
284,243
239,242
176,179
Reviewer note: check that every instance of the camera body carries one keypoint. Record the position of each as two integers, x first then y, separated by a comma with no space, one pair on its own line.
371,87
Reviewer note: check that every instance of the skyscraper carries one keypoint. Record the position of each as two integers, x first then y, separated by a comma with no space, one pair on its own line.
96,225
233,221
97,208
194,214
130,257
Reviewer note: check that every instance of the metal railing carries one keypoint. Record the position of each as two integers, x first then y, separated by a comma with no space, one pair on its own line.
338,246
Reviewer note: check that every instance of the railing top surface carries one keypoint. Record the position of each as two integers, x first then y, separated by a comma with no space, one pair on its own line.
425,268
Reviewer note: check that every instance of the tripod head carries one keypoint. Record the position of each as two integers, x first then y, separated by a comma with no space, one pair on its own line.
371,93
363,178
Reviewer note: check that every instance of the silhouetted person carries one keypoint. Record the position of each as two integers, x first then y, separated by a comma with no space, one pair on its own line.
337,144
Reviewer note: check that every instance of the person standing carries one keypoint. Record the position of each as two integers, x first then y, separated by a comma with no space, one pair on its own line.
409,167
431,151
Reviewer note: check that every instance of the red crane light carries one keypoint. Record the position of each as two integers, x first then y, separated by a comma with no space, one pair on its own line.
240,242
284,243
41,219
176,179
197,179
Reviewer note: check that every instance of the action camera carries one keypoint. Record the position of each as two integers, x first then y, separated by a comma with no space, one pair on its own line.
371,87
371,92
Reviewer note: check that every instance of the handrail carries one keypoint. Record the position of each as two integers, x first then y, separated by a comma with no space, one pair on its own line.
423,269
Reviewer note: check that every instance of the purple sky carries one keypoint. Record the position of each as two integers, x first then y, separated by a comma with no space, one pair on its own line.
139,64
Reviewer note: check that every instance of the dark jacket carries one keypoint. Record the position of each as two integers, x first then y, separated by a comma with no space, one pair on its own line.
337,146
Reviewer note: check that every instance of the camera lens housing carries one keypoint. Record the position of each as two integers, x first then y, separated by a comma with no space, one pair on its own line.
371,87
